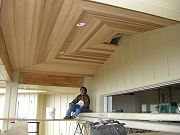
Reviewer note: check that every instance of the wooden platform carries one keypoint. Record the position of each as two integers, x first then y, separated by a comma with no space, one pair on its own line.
153,133
145,123
21,119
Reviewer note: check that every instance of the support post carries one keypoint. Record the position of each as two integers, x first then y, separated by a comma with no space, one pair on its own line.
10,99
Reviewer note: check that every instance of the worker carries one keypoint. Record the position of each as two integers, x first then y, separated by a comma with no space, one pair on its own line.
78,105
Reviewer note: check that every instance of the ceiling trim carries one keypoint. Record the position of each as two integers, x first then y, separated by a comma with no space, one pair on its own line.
153,7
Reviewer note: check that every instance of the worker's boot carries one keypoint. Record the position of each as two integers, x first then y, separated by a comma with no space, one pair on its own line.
72,117
67,117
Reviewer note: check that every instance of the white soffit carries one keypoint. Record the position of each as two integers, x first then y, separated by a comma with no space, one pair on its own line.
165,8
3,73
1,77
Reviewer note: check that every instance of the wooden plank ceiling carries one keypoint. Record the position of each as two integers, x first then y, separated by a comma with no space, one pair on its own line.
51,80
42,36
5,64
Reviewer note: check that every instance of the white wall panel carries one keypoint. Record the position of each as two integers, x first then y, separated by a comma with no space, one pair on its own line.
148,68
61,104
26,106
57,115
160,65
173,54
2,98
164,8
128,75
144,59
137,75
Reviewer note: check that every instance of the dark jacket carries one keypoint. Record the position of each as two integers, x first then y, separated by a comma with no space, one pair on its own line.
85,98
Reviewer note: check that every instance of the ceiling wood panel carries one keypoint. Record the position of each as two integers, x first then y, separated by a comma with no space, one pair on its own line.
41,35
0,3
50,80
67,67
4,59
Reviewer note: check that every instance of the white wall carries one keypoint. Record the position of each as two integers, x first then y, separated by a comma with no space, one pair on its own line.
61,104
26,106
164,8
2,98
144,59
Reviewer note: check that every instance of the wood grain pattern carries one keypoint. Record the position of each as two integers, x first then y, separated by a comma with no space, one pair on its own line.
36,33
0,3
50,80
4,56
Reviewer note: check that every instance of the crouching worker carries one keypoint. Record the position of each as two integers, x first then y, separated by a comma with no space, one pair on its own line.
78,105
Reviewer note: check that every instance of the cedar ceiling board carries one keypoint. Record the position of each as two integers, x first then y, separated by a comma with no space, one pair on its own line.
66,29
36,31
109,49
95,60
55,80
136,26
82,60
17,23
7,25
94,37
83,34
55,73
87,57
4,56
86,69
99,38
70,63
48,21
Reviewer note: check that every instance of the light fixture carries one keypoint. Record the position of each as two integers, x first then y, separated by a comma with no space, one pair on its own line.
30,91
80,24
61,53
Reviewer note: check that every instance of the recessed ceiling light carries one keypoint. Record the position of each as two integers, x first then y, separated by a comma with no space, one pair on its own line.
81,24
60,53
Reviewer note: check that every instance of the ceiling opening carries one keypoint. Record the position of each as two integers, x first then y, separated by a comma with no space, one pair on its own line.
115,40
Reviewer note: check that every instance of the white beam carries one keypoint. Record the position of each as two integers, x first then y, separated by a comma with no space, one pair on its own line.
137,123
145,125
10,99
152,126
145,116
134,116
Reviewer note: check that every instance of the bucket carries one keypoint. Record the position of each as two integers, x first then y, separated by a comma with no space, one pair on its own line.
50,113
